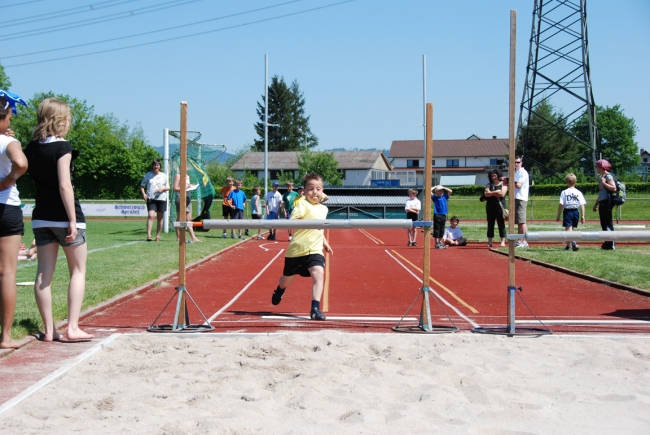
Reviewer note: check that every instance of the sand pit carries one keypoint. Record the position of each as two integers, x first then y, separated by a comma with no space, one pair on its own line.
331,382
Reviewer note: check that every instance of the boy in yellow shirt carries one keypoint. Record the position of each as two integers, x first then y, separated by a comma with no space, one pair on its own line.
304,255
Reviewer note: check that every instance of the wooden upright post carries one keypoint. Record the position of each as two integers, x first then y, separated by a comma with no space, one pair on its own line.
425,313
511,173
181,312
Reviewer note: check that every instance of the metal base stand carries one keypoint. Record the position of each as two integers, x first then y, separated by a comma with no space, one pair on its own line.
182,317
510,329
425,326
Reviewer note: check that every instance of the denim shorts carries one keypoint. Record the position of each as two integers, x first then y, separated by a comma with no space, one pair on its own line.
45,236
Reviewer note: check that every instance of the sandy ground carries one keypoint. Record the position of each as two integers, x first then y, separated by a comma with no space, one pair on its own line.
332,382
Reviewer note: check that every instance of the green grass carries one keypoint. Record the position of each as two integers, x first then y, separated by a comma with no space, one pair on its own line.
119,259
637,207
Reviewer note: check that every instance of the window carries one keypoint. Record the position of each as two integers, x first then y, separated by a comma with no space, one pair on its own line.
433,162
645,160
452,163
496,162
413,163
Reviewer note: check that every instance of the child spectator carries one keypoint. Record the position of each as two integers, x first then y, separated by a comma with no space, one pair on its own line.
226,206
287,202
273,200
300,197
304,255
412,208
30,254
439,195
256,212
453,235
572,207
237,198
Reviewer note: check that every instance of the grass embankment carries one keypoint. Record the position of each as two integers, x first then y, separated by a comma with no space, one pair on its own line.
119,259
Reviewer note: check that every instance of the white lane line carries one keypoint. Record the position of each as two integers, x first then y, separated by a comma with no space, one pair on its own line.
587,322
92,251
242,291
52,376
264,244
368,236
341,318
419,278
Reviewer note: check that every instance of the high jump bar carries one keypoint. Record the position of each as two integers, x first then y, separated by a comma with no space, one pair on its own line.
585,236
298,224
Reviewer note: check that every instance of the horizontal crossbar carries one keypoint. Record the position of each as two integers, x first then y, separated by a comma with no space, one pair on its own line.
584,236
297,224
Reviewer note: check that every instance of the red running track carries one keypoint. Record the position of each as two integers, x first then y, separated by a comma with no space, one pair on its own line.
373,278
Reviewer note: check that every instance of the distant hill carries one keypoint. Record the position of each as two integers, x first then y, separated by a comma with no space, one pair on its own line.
359,149
221,159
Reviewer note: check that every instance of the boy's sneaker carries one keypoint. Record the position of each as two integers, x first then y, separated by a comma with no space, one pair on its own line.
410,244
232,236
246,232
224,235
575,246
438,246
414,244
277,296
240,236
521,244
567,248
317,314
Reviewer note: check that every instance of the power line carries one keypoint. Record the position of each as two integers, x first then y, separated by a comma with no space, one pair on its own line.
115,16
185,36
152,31
65,12
20,4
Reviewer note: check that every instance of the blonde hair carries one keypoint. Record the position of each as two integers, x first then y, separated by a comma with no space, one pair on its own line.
413,191
290,183
54,119
571,179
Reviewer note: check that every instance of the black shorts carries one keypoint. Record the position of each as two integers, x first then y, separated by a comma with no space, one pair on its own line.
155,205
256,216
300,265
11,221
237,214
411,215
226,211
439,221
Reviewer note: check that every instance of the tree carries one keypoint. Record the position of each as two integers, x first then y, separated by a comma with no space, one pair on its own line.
5,83
286,109
113,158
322,163
614,139
545,145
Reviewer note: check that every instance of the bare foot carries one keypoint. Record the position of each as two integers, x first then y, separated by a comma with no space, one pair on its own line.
55,337
78,334
11,344
503,245
195,240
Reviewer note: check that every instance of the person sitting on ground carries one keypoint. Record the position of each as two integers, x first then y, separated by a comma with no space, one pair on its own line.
304,256
573,202
25,254
412,209
453,235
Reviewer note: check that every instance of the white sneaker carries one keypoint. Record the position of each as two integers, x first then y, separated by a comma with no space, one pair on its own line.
521,244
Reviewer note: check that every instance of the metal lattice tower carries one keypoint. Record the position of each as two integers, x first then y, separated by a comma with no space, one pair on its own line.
558,69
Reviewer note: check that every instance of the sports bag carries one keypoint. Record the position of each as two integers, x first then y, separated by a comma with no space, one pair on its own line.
618,197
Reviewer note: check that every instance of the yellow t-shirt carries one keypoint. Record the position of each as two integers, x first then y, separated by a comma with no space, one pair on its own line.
297,200
306,242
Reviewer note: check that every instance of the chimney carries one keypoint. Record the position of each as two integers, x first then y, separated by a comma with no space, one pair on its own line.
642,151
494,137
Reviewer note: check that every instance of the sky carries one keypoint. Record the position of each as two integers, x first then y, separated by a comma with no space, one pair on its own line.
358,63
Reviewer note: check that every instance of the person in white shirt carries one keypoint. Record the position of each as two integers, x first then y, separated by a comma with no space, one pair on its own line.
521,200
572,207
273,200
412,209
453,235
